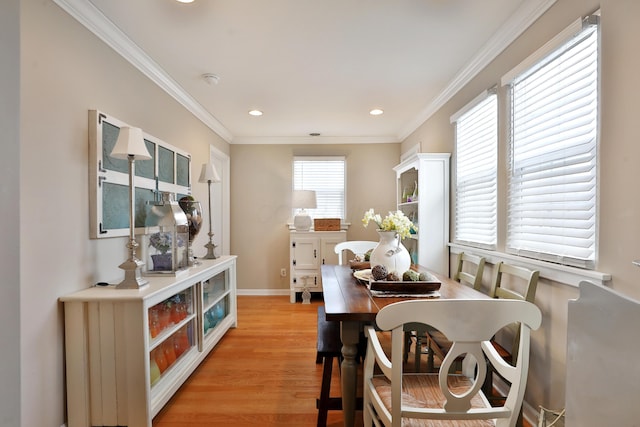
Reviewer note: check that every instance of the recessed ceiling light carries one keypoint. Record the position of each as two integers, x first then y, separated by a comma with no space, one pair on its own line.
376,112
255,113
184,1
212,79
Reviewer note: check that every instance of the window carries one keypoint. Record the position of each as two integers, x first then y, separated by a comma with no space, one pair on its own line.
552,188
476,163
325,175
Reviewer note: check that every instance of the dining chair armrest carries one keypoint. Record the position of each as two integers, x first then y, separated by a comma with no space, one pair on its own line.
375,352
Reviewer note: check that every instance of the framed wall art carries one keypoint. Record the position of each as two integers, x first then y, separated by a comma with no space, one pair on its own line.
168,170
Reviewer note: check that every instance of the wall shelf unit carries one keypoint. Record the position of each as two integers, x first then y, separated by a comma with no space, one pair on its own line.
128,351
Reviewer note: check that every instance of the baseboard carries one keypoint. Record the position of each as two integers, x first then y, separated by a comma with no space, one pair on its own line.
263,292
529,413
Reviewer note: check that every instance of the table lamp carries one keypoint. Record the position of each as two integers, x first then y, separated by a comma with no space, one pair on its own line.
209,174
130,145
303,199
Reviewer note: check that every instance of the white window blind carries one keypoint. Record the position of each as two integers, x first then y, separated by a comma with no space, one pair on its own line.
325,175
552,195
476,172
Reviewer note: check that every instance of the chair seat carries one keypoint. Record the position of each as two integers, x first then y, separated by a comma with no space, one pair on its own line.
423,391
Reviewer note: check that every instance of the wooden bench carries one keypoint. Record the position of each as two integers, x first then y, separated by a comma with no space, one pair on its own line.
329,347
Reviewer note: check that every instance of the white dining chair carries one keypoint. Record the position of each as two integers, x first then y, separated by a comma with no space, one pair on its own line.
432,399
357,247
469,271
513,283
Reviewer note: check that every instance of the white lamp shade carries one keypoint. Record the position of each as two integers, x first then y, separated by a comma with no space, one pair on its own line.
209,173
130,143
304,199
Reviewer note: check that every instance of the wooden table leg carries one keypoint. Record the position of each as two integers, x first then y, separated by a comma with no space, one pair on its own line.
350,335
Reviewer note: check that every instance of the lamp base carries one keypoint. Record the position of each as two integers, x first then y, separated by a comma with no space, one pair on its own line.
132,277
302,221
210,251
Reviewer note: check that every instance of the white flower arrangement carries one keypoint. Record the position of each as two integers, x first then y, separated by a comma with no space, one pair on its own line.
395,221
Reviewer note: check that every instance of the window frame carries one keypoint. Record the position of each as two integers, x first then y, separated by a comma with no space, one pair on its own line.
315,213
466,200
535,241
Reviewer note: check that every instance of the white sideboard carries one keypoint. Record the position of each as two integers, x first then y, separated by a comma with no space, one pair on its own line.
128,351
308,250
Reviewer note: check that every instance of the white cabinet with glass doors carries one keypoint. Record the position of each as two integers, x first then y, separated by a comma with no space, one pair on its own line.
128,351
423,196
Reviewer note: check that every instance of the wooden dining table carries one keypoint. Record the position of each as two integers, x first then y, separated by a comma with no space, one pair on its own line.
350,302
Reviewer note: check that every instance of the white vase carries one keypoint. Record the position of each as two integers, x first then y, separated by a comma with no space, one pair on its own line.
391,253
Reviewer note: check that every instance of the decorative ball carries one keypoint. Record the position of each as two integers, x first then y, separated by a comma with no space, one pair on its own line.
393,277
379,272
411,276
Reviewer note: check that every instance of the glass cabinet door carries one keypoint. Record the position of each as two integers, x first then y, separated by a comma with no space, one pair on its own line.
408,204
172,332
215,301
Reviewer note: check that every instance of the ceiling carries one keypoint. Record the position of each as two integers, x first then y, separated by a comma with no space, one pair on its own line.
311,66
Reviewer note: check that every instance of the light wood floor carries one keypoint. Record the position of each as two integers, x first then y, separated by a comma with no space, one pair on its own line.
262,373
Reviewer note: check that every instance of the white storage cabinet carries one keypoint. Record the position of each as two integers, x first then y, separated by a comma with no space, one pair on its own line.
128,351
308,251
429,209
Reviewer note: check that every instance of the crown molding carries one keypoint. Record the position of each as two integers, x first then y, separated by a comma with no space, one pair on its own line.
524,17
96,22
315,140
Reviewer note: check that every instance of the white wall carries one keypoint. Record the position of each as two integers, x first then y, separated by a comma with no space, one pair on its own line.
65,72
10,213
